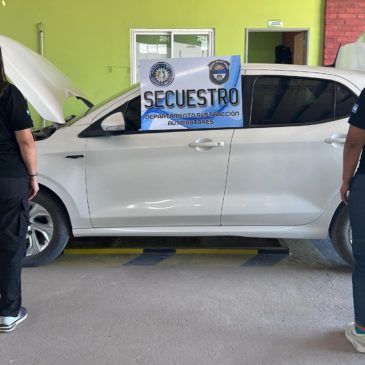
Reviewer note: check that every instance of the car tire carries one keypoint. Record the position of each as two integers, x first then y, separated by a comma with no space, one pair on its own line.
340,234
49,230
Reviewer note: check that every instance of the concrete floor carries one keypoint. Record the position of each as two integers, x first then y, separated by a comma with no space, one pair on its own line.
186,310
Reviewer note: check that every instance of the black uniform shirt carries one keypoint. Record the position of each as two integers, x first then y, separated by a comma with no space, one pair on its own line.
14,116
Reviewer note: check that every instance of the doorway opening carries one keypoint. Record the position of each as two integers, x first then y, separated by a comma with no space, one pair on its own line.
277,46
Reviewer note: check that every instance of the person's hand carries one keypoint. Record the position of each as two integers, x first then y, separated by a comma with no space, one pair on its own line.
33,187
344,191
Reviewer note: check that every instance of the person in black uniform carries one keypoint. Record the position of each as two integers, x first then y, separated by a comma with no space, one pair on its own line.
18,184
353,193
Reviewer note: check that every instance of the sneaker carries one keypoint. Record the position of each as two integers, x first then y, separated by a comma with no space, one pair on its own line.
358,340
7,324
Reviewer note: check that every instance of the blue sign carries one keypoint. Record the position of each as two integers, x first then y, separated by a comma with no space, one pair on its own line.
191,93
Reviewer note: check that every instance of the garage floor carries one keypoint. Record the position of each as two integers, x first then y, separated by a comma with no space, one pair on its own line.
187,308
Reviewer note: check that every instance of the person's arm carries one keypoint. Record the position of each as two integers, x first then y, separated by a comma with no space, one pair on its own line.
354,144
28,152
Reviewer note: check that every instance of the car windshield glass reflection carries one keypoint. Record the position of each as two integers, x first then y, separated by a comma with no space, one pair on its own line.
120,93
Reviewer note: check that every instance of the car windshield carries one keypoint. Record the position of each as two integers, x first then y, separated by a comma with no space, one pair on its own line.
124,91
73,118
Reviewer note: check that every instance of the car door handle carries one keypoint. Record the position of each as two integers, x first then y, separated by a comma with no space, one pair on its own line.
207,144
340,140
74,157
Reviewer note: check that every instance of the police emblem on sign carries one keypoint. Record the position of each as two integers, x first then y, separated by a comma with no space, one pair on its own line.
161,74
219,71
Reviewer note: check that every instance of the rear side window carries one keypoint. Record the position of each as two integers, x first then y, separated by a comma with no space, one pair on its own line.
291,100
345,100
284,100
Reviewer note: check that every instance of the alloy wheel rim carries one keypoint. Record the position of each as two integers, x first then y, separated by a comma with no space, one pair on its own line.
40,231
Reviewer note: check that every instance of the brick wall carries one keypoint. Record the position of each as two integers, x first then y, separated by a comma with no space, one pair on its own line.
344,22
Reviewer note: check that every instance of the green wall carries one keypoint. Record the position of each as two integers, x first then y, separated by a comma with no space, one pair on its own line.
266,52
84,38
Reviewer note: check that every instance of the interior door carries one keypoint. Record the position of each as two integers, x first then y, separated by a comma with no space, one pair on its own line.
174,178
300,48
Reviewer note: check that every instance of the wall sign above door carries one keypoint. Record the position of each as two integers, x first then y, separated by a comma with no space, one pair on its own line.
275,23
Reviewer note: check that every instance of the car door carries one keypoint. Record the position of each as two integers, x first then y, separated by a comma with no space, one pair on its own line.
165,178
285,167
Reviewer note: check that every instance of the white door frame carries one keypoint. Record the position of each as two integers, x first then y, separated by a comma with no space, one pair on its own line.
281,30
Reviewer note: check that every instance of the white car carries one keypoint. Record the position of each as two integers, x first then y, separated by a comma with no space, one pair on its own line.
278,176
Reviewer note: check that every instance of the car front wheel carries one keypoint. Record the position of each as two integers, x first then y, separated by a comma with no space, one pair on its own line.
341,235
48,231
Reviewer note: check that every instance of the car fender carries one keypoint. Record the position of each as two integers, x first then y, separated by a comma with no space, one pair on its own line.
76,208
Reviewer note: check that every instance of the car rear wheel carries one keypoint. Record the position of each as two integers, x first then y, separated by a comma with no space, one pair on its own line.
341,235
48,231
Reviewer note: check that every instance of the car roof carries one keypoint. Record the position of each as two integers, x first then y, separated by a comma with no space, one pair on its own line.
355,77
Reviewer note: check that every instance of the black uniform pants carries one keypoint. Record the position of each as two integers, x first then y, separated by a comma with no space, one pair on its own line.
14,217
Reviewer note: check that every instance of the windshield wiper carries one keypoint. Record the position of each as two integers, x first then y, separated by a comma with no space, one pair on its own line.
70,117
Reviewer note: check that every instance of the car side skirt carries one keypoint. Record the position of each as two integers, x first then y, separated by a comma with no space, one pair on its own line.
309,231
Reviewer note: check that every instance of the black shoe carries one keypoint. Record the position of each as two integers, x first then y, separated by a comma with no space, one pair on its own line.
7,324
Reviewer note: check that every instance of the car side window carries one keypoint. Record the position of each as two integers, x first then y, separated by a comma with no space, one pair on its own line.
345,100
132,115
284,100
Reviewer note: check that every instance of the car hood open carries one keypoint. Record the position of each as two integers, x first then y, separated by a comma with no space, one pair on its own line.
41,82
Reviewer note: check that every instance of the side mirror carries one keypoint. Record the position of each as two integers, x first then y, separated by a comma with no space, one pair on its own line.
113,123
